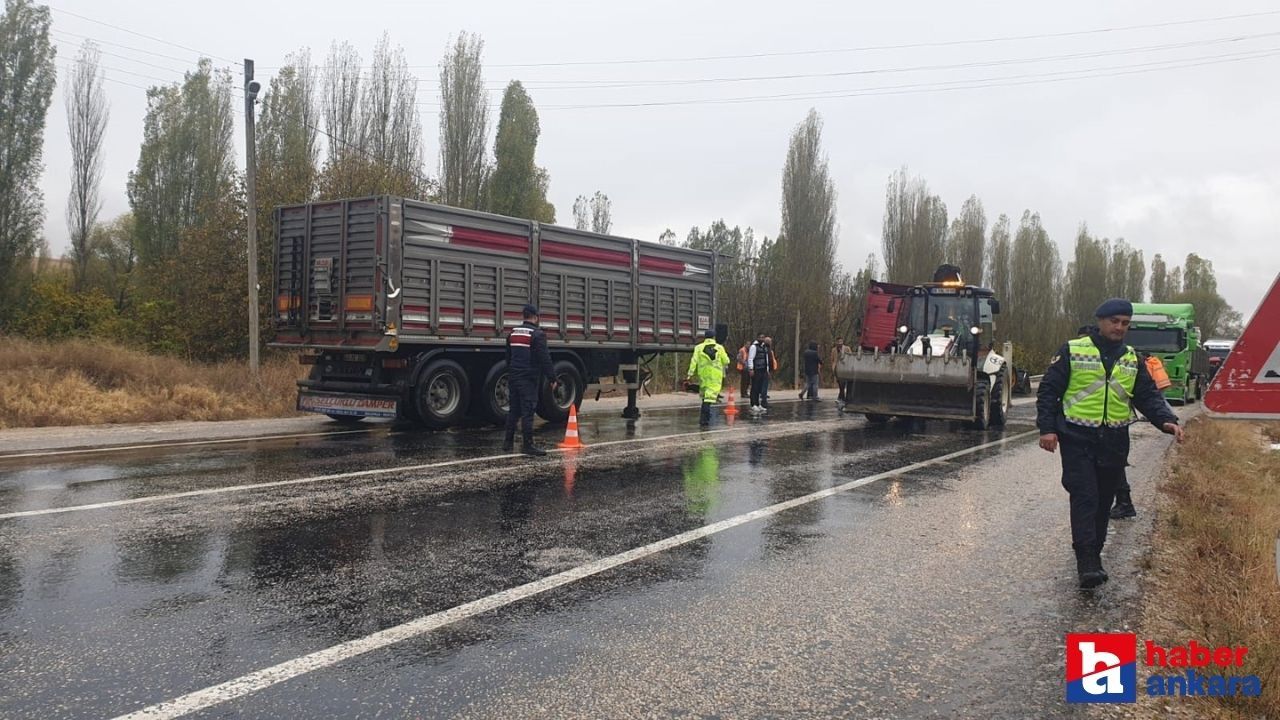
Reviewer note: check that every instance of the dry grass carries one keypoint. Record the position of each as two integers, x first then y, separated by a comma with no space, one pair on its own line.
83,382
1214,565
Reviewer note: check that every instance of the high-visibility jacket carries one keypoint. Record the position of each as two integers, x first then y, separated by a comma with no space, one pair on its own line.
1095,398
1156,370
708,363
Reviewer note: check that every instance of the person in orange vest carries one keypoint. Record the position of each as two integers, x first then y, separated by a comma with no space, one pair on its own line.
744,368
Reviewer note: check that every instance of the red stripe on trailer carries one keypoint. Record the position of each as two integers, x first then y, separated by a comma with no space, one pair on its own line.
489,240
579,253
661,265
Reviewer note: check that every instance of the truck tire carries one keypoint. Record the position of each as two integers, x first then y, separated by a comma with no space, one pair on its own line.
553,406
495,396
998,407
981,405
442,395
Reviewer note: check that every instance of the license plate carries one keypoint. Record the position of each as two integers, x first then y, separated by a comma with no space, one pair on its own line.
354,405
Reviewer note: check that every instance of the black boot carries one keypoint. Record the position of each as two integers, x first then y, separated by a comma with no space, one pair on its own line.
1124,508
1089,568
530,449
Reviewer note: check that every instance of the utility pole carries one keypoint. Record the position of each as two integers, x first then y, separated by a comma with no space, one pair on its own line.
797,366
251,181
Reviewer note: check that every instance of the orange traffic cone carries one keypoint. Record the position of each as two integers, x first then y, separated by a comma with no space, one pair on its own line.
731,405
571,432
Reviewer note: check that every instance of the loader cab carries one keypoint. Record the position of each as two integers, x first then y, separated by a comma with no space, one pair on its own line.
948,319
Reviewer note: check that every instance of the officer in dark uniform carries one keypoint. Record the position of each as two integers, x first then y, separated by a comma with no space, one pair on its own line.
1085,404
528,362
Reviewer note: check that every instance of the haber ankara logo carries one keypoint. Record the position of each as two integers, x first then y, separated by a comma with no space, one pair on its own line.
1102,668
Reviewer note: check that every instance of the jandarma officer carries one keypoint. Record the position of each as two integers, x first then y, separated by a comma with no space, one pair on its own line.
1085,404
528,362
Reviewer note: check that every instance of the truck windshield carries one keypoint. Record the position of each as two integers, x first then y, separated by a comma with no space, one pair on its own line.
942,314
1154,340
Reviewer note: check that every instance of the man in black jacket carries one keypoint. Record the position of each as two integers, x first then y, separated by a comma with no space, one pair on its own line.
528,362
1085,404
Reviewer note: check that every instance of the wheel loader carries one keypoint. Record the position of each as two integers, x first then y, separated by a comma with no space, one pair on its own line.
936,360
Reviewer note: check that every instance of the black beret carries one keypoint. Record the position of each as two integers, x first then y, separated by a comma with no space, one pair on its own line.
530,310
1114,306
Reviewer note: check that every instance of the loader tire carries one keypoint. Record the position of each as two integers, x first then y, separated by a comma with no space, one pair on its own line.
981,405
997,418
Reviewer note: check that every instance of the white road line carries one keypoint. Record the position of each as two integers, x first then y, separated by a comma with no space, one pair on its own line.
323,478
186,443
262,679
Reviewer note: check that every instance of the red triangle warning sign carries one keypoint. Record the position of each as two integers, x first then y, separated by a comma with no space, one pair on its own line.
1248,385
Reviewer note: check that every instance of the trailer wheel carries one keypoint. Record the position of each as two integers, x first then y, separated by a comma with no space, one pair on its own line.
495,396
998,407
553,405
442,395
981,404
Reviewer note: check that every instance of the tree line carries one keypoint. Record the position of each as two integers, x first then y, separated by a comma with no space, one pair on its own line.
170,274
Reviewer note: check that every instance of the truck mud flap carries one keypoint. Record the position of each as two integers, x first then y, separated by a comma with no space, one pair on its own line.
350,405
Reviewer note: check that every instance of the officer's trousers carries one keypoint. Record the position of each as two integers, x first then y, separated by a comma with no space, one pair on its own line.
1092,488
523,399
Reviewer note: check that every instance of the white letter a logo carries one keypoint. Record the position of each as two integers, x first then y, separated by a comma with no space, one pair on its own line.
1093,680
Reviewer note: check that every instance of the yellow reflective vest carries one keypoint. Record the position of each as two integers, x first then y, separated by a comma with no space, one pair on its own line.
1094,399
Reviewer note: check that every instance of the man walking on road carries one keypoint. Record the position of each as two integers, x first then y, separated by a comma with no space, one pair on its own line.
708,364
1085,404
759,359
528,362
837,353
812,366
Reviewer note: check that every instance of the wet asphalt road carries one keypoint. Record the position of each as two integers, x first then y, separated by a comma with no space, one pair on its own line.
941,592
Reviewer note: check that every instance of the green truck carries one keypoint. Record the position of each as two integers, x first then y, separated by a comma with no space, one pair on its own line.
1168,331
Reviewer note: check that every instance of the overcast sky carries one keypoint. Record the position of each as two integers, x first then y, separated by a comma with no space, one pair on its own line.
1169,141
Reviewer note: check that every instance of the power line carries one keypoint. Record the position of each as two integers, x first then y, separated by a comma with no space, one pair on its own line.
973,84
100,41
903,46
69,70
141,35
122,57
535,85
871,48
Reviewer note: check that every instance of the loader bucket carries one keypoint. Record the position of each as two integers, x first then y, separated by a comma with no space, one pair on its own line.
908,385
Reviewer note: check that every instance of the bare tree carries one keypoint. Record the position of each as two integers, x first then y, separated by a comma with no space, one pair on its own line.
967,240
914,231
1087,277
390,131
582,213
87,114
1159,279
464,123
601,213
999,255
342,99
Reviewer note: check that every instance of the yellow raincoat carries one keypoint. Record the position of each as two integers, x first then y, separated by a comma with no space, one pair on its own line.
708,364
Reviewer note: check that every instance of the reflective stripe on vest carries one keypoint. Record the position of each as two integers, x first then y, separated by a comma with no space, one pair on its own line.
1092,399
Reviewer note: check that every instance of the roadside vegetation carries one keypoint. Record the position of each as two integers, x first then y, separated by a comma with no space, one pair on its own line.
1213,563
82,382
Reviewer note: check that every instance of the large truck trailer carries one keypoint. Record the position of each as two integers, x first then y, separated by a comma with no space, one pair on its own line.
402,307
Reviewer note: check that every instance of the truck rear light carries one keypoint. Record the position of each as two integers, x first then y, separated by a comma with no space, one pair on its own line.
285,303
358,303
308,358
395,362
